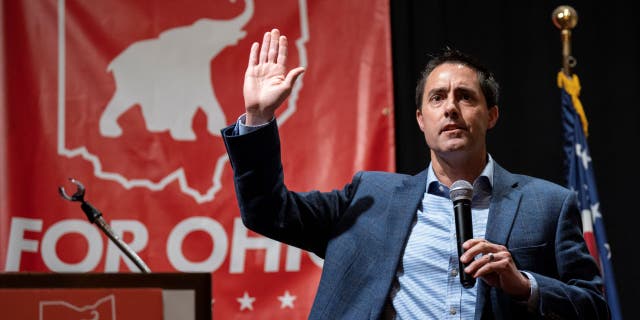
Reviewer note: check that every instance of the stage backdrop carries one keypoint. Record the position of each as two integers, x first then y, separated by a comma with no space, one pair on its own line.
129,97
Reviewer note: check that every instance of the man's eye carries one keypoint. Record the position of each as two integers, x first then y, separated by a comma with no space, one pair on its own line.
436,98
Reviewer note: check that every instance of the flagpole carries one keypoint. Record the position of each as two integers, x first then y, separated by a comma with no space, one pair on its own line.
565,18
580,176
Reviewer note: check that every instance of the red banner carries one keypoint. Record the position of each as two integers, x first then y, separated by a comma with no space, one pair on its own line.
129,97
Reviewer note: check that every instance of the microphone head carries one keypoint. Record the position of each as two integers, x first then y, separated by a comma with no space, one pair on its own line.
461,190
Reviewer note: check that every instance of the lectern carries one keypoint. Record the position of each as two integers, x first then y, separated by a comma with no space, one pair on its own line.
179,295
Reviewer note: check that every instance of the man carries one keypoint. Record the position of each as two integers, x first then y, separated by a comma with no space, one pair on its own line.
388,240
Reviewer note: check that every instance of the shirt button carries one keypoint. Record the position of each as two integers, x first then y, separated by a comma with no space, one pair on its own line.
452,310
454,272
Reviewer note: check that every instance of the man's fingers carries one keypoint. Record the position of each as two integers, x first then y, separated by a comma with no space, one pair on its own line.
282,51
475,265
253,55
474,248
483,264
292,76
471,242
491,267
273,46
265,47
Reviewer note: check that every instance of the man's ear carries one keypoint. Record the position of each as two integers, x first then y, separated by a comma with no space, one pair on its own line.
494,114
420,119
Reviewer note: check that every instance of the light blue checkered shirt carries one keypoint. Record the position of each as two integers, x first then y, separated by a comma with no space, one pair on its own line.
428,285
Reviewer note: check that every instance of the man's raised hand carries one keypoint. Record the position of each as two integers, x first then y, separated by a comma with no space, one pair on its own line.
266,81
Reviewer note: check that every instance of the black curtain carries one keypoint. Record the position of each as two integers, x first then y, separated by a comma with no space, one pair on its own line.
519,42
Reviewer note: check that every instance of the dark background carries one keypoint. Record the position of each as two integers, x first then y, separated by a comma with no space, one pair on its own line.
518,41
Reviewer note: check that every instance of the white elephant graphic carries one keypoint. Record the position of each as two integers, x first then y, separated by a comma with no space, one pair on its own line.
170,77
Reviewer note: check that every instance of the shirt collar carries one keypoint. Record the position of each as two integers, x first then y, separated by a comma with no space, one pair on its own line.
484,182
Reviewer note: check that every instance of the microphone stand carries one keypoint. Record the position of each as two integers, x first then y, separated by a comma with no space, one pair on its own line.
95,217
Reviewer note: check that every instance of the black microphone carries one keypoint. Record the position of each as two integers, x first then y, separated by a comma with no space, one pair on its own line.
461,194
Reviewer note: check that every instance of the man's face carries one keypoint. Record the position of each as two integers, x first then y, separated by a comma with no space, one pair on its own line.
454,115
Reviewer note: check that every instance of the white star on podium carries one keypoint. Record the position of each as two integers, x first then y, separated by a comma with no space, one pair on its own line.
286,300
246,301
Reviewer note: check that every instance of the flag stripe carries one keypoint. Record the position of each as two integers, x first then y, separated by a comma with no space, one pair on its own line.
581,178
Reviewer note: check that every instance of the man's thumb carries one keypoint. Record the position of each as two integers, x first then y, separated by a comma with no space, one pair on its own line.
293,75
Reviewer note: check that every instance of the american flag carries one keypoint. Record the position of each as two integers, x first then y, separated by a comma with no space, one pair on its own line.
581,178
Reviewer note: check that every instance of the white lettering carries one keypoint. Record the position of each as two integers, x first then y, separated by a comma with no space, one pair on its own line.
46,244
292,263
208,225
139,242
59,229
293,259
17,242
315,259
242,242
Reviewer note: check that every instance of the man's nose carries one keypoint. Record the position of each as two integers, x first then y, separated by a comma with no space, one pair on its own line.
451,108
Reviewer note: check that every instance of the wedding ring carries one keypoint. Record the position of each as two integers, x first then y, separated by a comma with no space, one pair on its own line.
491,257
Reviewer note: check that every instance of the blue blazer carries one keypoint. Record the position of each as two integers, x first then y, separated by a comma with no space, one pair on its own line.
361,231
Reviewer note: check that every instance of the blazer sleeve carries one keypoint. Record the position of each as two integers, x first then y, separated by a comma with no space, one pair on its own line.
577,293
302,220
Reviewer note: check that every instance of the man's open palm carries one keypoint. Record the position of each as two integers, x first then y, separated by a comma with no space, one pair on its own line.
266,81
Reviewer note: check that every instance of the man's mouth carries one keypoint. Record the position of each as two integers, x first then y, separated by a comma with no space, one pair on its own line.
452,127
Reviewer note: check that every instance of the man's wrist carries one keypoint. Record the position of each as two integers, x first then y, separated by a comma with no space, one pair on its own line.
254,118
244,128
534,292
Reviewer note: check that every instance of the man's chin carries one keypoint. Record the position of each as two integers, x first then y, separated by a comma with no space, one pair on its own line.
451,151
455,145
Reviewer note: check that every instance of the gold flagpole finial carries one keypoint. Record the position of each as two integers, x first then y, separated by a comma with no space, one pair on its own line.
565,18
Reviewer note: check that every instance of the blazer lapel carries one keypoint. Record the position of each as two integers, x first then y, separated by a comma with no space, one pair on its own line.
504,206
403,205
503,209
